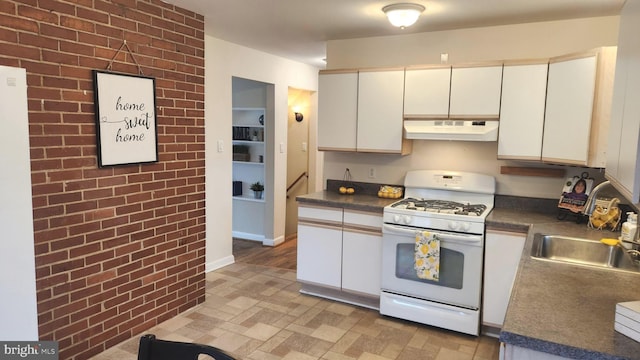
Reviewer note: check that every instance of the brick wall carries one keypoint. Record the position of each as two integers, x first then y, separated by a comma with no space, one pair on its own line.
118,249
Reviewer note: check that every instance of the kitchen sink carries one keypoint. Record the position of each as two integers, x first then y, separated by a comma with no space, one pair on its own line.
585,252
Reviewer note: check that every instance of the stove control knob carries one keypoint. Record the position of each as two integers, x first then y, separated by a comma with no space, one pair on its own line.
396,218
466,226
453,225
407,219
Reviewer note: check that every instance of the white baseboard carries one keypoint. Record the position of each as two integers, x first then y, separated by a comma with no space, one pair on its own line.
247,236
220,263
266,242
275,242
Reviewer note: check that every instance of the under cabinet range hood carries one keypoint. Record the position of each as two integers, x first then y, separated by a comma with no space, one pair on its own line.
453,130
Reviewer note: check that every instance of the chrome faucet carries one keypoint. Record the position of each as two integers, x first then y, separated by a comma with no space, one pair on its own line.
590,204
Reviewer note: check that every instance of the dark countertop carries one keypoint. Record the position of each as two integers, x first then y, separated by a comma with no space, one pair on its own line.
560,309
569,310
356,201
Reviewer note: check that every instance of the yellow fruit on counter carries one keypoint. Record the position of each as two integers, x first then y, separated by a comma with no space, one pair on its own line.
380,194
343,190
351,190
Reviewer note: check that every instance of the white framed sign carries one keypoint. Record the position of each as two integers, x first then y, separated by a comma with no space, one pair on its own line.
126,127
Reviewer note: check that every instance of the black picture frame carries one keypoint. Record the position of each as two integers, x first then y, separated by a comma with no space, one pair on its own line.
125,115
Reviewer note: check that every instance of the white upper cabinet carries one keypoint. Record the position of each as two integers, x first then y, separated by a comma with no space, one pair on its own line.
426,93
475,92
337,111
578,108
524,89
623,155
361,111
380,104
570,91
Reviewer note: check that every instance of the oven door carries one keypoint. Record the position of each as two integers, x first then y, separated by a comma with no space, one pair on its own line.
460,267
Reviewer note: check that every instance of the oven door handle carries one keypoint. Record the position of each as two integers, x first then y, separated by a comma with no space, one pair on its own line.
443,236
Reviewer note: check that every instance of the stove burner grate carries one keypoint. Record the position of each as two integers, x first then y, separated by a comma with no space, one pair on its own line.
440,206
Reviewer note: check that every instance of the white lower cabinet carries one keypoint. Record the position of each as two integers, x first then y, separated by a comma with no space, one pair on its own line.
320,254
340,250
502,256
320,245
361,262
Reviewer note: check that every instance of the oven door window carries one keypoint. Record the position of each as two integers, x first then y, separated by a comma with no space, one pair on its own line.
451,266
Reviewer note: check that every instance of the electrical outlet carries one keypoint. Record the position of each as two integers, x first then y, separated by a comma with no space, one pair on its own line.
372,173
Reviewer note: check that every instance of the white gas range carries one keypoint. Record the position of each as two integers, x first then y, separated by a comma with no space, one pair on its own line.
452,206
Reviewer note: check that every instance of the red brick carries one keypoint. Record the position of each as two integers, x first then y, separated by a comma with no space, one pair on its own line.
115,201
60,32
56,6
100,235
92,62
94,39
79,140
80,207
78,162
94,16
37,14
49,327
21,52
65,198
115,302
112,181
48,235
19,24
100,317
101,277
99,214
82,273
66,220
128,229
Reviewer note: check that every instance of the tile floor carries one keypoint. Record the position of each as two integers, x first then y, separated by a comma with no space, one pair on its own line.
255,312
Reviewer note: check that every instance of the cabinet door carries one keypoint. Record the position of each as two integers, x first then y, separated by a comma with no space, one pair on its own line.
524,89
361,261
426,93
475,92
623,153
320,245
570,95
380,102
320,254
362,252
502,256
337,111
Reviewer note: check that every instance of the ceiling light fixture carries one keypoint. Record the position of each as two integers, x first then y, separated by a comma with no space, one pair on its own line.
403,14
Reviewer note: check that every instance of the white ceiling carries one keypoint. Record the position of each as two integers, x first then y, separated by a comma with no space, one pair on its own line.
299,29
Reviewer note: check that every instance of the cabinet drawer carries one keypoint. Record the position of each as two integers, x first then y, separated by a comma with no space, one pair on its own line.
320,214
363,220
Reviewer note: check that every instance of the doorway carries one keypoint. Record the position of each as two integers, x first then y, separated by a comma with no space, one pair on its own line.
252,169
299,117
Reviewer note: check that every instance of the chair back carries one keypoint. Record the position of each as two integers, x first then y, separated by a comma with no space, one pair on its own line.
154,349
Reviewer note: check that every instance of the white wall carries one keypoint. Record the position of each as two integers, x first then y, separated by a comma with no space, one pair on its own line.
18,309
521,41
224,60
